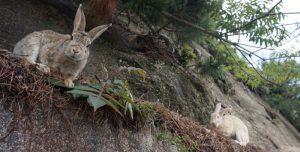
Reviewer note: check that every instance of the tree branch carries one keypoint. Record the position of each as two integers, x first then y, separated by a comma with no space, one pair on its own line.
214,33
263,77
256,19
283,57
218,35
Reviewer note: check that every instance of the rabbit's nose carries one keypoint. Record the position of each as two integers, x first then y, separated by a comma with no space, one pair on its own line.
75,51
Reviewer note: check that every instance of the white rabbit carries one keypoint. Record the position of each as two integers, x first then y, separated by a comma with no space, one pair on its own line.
66,53
229,125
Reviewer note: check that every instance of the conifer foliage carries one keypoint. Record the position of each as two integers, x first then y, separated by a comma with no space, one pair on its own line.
153,13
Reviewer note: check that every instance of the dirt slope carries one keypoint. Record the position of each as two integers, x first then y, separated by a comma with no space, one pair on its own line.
19,18
166,83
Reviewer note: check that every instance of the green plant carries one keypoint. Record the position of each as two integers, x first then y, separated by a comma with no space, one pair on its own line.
146,109
187,54
180,141
255,19
114,94
151,14
213,67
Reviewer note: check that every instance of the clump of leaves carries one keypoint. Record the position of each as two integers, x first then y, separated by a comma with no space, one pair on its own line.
198,12
114,94
187,54
256,19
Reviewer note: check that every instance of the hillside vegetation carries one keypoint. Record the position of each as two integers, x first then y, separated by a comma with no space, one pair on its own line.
166,63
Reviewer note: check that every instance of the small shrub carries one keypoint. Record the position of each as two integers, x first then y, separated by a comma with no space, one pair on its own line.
213,67
187,54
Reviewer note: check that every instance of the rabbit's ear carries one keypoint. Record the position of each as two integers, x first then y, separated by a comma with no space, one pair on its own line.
225,111
97,31
79,21
218,108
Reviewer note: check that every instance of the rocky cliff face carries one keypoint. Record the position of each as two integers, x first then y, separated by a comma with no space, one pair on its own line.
181,90
266,130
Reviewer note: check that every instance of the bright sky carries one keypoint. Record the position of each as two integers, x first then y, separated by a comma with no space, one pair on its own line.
292,43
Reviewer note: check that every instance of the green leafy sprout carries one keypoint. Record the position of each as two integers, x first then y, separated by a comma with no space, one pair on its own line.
114,94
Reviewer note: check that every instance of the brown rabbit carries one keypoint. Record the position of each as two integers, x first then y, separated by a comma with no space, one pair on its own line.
63,52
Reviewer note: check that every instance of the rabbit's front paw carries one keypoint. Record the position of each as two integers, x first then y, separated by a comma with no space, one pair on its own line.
43,68
69,83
